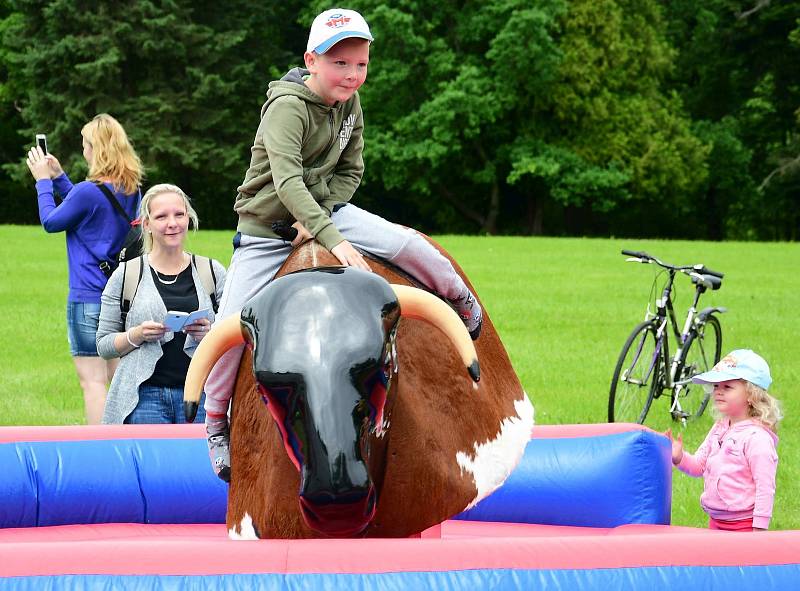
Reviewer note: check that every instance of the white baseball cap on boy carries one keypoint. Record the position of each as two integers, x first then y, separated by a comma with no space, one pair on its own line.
742,364
336,24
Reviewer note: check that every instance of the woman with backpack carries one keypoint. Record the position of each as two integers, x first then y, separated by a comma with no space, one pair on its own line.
155,311
95,214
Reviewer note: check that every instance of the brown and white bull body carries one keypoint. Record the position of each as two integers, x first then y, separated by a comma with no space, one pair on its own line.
443,441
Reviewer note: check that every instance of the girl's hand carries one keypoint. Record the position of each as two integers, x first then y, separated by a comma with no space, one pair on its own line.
677,447
302,234
148,332
198,329
349,256
38,164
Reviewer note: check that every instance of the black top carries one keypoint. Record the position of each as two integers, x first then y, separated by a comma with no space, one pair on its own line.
179,296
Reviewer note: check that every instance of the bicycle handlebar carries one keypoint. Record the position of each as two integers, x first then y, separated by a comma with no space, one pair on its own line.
634,253
706,271
648,258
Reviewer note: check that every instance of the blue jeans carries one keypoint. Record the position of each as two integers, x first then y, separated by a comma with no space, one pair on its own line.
82,321
162,404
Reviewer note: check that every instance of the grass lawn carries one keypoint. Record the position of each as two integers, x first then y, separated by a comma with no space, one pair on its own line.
562,306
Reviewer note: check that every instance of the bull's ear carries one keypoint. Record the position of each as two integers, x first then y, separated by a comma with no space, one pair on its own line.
224,335
417,303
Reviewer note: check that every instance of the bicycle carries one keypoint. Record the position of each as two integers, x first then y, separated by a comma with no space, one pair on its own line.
645,369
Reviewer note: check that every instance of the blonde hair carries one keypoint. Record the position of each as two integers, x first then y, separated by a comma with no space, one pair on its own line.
152,193
763,407
113,156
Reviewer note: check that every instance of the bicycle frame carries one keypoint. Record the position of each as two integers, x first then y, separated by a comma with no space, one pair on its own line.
665,312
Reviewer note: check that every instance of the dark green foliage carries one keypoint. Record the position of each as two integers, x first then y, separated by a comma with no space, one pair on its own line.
622,117
738,69
17,201
185,78
487,115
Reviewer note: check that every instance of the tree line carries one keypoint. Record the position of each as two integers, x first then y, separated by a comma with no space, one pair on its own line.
560,117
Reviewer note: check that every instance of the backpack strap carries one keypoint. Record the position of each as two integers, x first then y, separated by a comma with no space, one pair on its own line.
112,200
205,270
131,277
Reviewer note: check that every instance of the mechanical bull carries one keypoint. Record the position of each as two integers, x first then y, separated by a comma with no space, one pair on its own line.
348,421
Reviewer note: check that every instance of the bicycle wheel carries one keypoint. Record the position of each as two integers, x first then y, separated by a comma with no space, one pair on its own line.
636,376
701,353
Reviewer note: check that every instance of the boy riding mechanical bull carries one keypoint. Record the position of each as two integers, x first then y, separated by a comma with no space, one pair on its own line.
305,166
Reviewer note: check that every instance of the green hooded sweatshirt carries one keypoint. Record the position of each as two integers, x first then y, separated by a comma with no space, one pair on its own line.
306,158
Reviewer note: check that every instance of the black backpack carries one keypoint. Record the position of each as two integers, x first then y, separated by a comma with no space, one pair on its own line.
131,246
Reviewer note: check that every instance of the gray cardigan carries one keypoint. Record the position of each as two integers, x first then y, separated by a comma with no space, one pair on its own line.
138,365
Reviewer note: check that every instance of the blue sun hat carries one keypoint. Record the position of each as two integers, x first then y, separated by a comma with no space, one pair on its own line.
742,364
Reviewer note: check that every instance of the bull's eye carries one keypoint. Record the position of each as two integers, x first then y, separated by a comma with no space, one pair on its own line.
372,381
283,404
390,364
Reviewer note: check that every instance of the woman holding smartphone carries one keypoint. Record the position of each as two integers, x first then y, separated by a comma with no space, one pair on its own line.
94,231
148,385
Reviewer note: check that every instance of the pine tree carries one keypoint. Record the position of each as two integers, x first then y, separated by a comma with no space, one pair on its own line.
185,78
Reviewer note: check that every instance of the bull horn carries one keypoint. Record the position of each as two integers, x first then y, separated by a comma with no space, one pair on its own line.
417,303
224,335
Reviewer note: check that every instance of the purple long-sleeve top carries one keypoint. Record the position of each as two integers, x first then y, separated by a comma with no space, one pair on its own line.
95,230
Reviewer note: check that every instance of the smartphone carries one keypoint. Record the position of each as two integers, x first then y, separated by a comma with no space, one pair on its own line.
41,141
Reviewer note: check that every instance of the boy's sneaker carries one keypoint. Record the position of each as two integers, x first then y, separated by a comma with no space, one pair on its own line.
219,450
470,312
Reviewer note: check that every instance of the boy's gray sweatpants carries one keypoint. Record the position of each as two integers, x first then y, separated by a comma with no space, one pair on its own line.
256,261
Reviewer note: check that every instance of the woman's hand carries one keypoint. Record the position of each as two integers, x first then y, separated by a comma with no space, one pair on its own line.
55,166
38,164
198,329
147,332
677,447
349,256
302,234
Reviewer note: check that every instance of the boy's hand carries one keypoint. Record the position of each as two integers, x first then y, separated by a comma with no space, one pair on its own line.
677,446
349,256
302,234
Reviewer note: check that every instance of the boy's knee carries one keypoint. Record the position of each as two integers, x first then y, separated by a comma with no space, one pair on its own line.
418,252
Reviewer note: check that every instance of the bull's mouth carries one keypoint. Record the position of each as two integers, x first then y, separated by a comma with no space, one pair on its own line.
340,516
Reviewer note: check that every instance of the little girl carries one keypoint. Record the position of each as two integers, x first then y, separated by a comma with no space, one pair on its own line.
737,459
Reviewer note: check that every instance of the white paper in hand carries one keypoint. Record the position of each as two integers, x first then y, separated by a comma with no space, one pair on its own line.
176,321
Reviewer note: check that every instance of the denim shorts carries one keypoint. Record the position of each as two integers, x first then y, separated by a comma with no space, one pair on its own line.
82,321
162,404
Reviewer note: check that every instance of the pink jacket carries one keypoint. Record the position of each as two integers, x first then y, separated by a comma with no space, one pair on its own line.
738,465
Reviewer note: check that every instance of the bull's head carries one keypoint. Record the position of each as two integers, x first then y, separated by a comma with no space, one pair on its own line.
323,359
